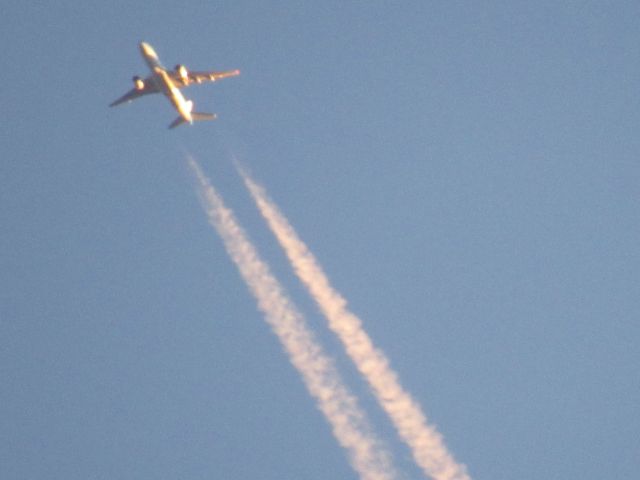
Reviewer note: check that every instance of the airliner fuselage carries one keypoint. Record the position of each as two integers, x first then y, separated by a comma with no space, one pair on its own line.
169,82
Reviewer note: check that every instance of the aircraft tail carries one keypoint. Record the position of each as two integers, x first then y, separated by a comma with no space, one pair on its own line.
196,116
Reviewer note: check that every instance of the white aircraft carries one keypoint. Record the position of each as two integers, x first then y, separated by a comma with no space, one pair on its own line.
170,82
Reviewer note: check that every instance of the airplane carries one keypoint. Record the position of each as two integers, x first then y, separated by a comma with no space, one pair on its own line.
169,82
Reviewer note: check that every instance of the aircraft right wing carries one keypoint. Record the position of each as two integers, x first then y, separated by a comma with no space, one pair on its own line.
143,88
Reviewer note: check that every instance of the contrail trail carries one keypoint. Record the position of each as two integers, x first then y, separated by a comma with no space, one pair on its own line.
425,442
367,455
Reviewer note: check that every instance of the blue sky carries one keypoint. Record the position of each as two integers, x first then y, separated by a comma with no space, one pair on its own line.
467,175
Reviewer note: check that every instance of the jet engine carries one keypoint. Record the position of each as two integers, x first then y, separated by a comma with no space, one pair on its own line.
183,73
138,83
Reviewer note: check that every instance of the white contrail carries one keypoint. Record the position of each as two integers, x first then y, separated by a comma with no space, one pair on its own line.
425,442
367,455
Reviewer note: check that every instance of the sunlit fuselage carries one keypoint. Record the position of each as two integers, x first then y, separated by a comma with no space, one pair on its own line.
164,83
170,83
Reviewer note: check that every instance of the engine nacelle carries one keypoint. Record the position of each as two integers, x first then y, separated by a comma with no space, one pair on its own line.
138,83
183,73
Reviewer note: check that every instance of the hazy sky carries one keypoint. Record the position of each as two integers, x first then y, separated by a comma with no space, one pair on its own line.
467,173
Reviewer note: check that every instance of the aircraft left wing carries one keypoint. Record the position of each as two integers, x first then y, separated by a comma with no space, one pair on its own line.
184,78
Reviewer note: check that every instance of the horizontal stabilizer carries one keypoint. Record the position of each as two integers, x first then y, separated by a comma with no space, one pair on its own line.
199,117
196,116
176,122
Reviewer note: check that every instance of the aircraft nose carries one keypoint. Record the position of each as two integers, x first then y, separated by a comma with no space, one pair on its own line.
147,50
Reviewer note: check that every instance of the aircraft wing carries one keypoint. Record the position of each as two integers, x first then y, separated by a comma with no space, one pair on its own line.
149,87
201,77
